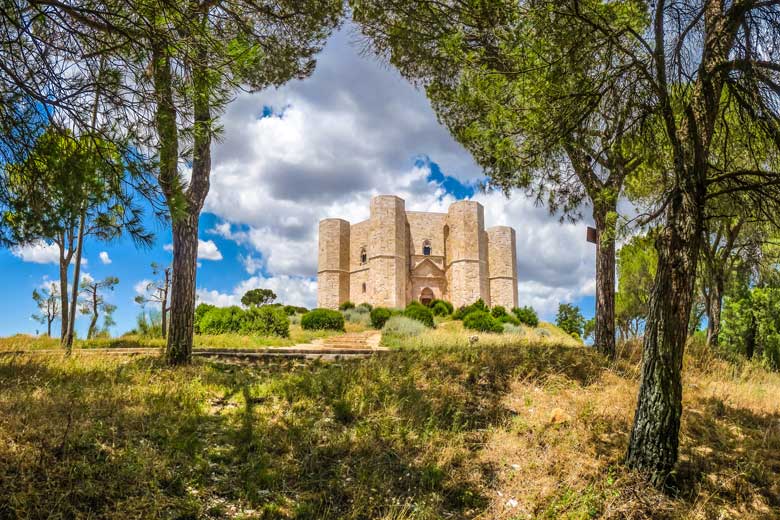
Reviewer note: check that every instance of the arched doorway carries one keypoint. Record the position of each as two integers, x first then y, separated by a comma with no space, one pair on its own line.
426,296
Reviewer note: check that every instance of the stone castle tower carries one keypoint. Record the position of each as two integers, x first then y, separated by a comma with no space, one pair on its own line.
397,256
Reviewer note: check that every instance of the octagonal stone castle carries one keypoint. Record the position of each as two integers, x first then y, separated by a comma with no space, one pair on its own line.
397,256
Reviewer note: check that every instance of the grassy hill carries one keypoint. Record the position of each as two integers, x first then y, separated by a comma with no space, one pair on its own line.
506,429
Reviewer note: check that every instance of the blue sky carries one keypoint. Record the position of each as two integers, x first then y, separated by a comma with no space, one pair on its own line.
317,148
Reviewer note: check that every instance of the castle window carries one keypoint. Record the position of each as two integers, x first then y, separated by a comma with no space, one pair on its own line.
427,248
364,286
363,258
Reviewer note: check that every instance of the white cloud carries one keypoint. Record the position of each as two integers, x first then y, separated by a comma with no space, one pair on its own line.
290,290
207,250
351,131
39,253
104,257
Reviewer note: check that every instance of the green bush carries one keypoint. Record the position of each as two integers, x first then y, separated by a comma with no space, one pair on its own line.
357,316
509,318
478,305
365,306
526,315
379,316
266,321
346,306
498,311
291,310
418,311
482,321
440,309
200,311
322,319
403,327
448,305
221,320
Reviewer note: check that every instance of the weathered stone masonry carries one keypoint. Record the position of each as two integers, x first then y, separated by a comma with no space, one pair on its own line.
397,256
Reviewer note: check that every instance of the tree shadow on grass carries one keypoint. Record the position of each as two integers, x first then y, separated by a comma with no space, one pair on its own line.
391,435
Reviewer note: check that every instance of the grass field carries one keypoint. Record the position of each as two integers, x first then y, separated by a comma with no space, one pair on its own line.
431,430
297,336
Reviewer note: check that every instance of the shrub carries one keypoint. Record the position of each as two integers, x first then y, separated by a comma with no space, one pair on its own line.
526,315
291,310
498,311
322,319
200,311
221,320
478,305
379,316
448,305
483,322
346,306
266,321
403,327
365,306
440,309
357,316
419,312
509,318
510,328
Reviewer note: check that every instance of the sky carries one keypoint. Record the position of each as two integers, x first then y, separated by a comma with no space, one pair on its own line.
312,149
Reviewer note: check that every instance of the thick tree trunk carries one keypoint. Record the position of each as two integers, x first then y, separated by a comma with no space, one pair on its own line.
714,308
653,444
604,333
185,260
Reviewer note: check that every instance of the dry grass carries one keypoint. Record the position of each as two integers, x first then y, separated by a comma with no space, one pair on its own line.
560,454
500,430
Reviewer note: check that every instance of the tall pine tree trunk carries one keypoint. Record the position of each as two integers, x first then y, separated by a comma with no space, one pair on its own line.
185,260
184,204
653,445
604,333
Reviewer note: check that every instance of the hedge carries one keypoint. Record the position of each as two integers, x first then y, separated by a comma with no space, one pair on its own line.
322,319
483,322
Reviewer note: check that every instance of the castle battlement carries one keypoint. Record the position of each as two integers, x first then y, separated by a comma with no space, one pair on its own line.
397,256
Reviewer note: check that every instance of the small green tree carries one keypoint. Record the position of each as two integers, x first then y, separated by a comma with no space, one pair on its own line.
258,297
48,306
751,326
636,267
156,292
93,303
570,319
64,191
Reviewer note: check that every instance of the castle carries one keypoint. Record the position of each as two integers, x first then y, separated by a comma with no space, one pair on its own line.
397,256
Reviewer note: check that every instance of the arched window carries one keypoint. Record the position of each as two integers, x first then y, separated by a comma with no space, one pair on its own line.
364,286
427,248
363,256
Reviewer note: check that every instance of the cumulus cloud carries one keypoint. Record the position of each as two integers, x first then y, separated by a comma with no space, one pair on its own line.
104,257
290,290
324,146
207,250
39,253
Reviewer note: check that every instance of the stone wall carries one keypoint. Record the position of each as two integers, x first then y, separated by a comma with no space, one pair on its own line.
502,266
333,263
466,261
466,253
388,252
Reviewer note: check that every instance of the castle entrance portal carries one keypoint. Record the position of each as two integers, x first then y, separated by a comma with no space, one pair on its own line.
426,296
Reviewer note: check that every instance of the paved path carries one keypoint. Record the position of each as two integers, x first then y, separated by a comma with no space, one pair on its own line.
349,345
